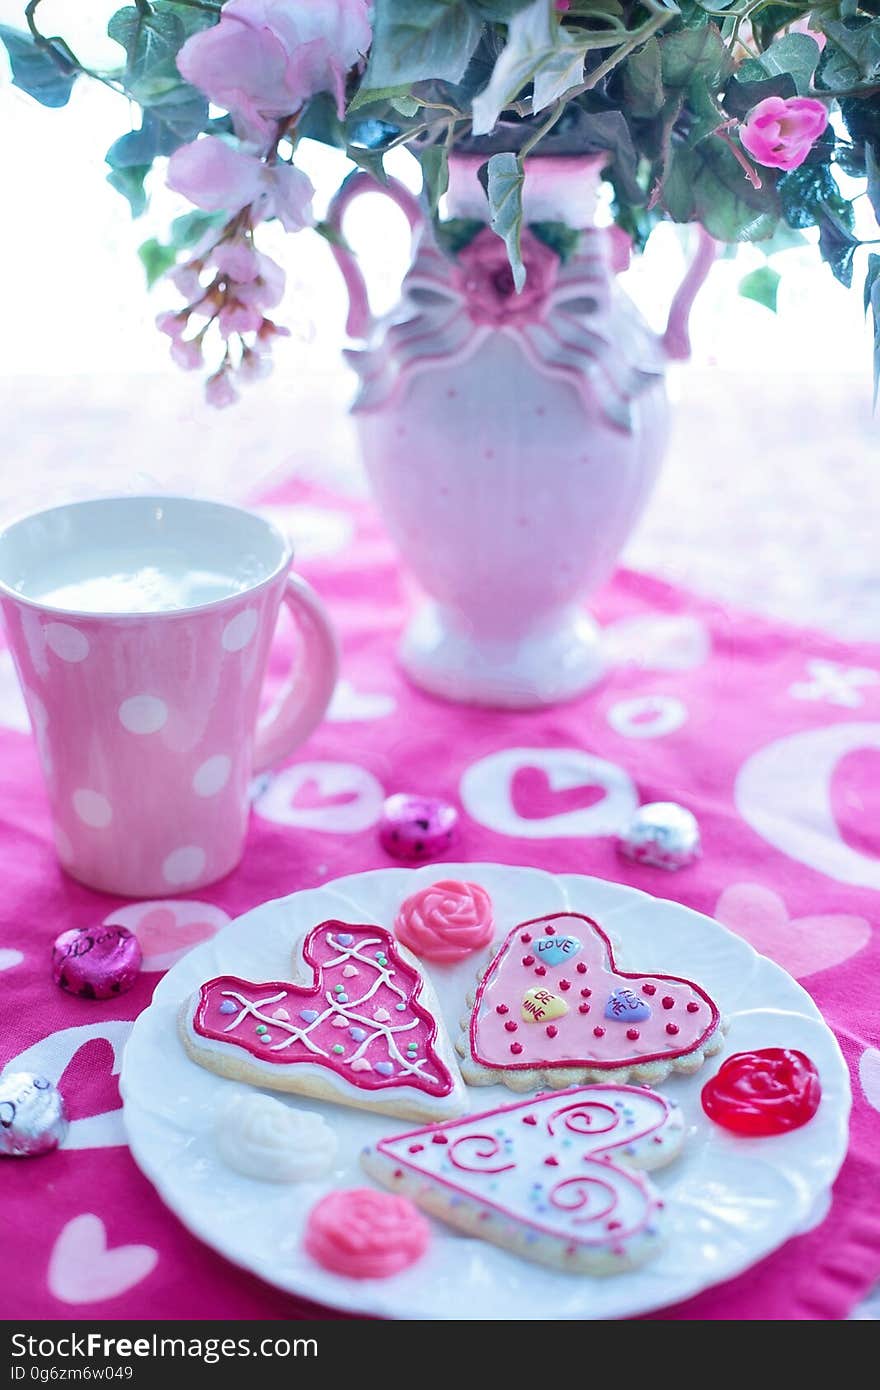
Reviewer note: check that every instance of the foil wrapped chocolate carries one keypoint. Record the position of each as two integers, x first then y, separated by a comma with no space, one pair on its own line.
96,962
417,828
32,1118
662,834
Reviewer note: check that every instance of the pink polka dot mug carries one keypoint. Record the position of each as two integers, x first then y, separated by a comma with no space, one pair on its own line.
140,628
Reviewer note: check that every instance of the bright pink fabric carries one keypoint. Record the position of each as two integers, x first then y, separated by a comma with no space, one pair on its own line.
723,685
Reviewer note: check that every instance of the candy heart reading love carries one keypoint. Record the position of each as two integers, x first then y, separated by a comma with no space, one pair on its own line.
539,1006
553,950
288,1036
642,1019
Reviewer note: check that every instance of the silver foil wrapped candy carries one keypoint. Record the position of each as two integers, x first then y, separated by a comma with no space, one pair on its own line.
662,834
32,1118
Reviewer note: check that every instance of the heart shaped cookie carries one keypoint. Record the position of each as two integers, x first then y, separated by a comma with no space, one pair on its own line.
375,1041
606,1022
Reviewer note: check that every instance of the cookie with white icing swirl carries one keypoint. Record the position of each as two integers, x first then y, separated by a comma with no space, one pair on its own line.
263,1138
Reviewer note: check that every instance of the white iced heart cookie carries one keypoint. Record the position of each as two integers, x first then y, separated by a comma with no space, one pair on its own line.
264,1138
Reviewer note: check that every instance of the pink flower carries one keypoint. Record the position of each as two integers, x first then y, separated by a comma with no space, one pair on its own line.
266,57
174,324
217,177
187,353
484,278
446,920
780,131
219,390
239,318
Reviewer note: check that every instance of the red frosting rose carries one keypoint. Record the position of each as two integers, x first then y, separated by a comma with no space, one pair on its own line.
765,1092
446,921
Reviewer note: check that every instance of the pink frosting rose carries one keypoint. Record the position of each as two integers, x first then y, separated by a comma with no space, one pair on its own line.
780,131
366,1234
266,57
219,178
484,277
446,921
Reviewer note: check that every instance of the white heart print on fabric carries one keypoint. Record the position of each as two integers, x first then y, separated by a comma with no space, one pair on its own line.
52,1055
341,798
678,642
84,1269
167,929
869,1075
544,793
10,958
13,710
350,705
784,793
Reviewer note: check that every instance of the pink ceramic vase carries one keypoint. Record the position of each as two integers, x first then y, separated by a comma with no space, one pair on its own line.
511,440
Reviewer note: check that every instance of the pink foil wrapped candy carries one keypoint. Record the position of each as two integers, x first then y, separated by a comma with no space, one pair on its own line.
417,828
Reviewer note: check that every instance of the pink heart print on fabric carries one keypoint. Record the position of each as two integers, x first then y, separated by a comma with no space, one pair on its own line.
83,1270
554,997
167,929
533,797
371,1029
801,945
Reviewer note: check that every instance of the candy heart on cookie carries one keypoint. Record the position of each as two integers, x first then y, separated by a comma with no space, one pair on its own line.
554,1009
362,1028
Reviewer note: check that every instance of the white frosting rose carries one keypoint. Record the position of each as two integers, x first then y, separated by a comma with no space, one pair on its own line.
264,1138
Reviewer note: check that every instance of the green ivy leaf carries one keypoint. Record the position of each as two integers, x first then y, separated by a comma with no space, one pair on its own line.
762,286
42,71
693,54
370,160
457,233
156,260
794,56
872,173
741,95
504,187
129,182
561,238
190,227
706,184
434,160
151,39
539,50
852,54
499,11
363,97
837,244
643,81
414,40
805,192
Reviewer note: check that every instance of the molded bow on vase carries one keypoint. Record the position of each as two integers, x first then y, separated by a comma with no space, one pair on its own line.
511,439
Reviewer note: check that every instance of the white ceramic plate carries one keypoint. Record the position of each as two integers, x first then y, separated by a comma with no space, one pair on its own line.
731,1201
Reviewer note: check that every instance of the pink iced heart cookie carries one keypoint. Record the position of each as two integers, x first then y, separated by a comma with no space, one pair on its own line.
553,1179
554,1009
375,1041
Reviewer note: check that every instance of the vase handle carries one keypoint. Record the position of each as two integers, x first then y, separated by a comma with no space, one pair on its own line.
360,317
676,340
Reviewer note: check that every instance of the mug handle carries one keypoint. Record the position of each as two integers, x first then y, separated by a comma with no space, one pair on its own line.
303,701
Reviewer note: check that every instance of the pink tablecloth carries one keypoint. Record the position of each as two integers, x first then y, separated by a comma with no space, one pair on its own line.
771,735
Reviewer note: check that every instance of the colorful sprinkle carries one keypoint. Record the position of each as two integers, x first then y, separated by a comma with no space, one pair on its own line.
227,1007
400,1008
345,938
338,1049
308,1015
386,1068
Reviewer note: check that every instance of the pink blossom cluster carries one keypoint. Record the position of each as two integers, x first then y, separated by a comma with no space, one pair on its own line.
261,62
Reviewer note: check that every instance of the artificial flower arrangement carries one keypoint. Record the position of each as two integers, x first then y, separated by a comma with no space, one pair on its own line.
734,114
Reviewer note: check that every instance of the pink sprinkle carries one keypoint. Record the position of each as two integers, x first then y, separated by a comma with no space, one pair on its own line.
551,1162
540,970
529,1120
525,938
632,1034
550,931
516,1048
585,993
582,969
501,1009
510,1026
649,989
692,1007
439,1139
552,1030
598,1032
672,1028
415,1148
583,1008
565,984
667,1001
528,960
